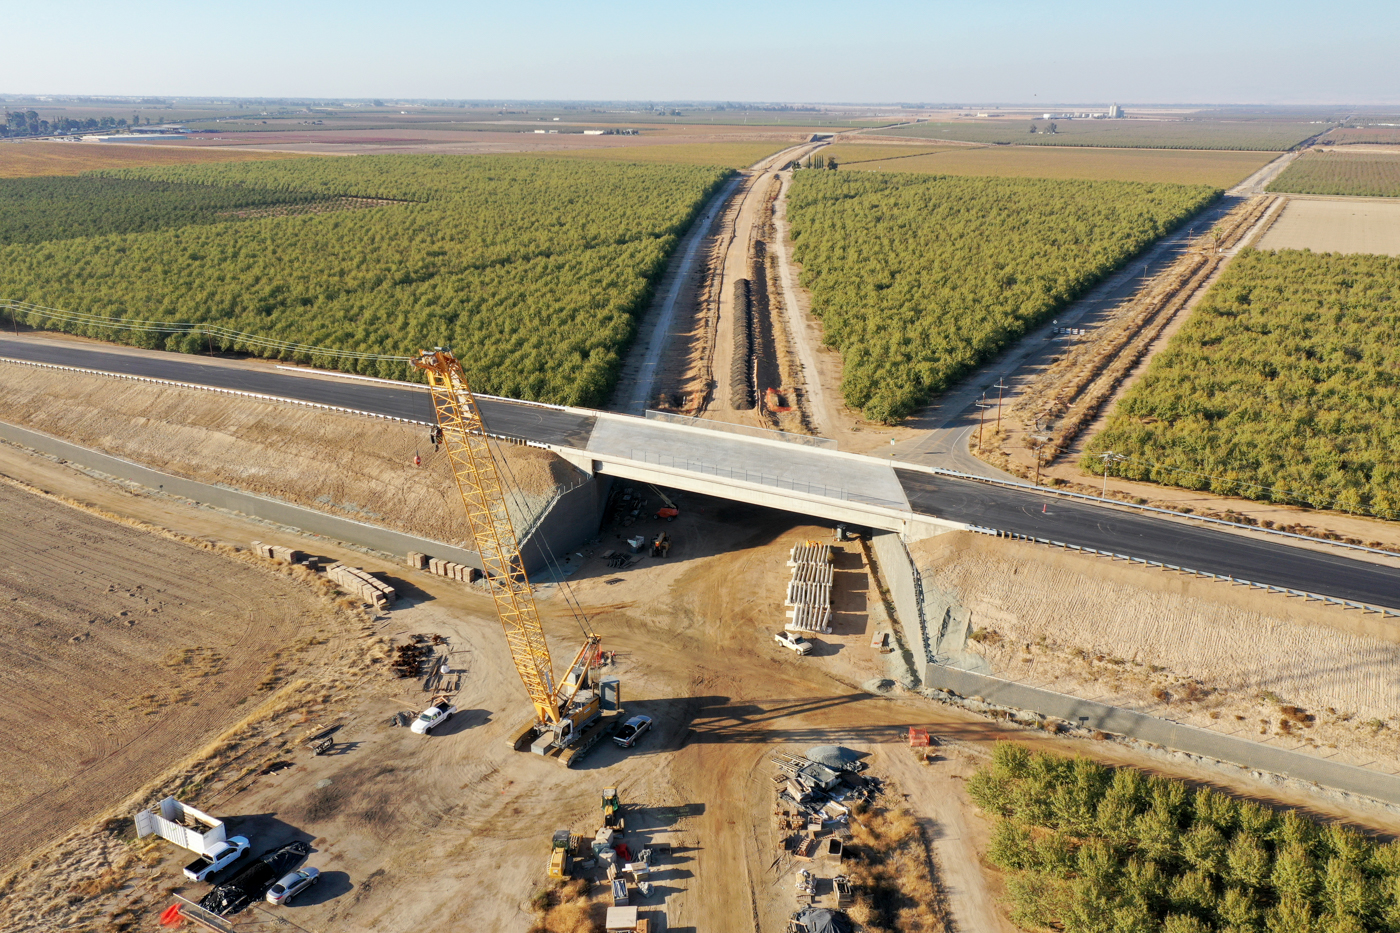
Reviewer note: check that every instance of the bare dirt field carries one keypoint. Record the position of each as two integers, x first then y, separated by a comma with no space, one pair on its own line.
413,832
347,465
124,652
1197,652
494,139
28,159
1337,225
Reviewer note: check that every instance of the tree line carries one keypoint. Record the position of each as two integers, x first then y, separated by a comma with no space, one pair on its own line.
1093,849
34,210
1282,386
919,278
533,270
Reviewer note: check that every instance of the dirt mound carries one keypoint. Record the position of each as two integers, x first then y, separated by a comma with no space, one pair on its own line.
348,465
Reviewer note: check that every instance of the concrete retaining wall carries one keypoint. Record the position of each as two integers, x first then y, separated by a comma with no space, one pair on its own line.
906,589
570,520
1189,739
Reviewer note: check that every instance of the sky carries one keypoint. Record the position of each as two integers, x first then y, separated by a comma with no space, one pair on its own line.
857,51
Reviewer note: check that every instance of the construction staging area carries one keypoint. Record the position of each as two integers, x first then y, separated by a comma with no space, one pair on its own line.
690,635
534,695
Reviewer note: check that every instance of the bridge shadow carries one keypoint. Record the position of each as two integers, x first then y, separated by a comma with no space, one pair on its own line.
706,526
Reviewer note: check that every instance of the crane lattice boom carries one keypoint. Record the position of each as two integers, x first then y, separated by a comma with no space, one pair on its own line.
479,482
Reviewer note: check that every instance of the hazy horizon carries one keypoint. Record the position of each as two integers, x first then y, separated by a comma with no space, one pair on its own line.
1018,53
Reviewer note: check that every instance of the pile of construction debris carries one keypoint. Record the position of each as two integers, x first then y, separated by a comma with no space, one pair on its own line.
815,796
809,590
409,658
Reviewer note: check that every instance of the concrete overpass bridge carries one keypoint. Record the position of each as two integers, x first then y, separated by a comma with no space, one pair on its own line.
800,475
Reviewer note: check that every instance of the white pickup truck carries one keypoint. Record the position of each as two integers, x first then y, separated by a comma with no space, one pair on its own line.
432,717
794,641
220,856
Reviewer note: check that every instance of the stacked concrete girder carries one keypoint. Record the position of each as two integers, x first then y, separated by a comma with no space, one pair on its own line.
809,590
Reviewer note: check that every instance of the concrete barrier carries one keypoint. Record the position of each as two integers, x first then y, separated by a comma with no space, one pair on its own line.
1189,739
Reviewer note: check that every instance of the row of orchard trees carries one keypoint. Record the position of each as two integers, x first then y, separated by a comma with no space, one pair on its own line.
1281,386
1092,849
1374,175
533,270
33,210
918,278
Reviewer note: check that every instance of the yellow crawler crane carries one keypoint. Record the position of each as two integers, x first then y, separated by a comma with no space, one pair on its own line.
568,716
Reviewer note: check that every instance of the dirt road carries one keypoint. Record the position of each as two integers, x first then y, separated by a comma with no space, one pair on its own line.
670,356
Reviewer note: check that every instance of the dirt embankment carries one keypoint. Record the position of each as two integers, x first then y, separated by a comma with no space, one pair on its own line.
346,465
1257,666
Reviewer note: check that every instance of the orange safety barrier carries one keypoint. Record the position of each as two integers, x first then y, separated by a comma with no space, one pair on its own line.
918,738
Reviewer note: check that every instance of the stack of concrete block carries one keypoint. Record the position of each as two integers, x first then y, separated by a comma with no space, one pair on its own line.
446,568
417,561
362,584
809,590
277,552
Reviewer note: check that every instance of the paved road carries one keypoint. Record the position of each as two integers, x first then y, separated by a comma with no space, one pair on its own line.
1139,535
851,478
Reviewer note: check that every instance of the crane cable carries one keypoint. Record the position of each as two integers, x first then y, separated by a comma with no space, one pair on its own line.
551,561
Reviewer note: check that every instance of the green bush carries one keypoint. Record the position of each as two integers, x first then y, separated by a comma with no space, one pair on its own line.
919,278
1238,867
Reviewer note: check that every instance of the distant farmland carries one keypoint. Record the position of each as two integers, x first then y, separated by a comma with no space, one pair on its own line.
1280,387
1219,169
736,155
1363,174
33,159
862,153
1121,134
918,279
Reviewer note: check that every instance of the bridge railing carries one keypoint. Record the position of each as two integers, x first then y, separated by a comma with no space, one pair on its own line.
758,477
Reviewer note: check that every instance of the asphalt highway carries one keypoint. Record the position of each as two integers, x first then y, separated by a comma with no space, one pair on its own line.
1139,535
1023,512
514,419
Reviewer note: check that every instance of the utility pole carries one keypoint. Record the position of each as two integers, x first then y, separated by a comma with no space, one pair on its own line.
981,418
1106,456
1001,384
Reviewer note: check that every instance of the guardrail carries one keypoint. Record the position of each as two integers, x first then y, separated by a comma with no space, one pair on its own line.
1267,587
1100,500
